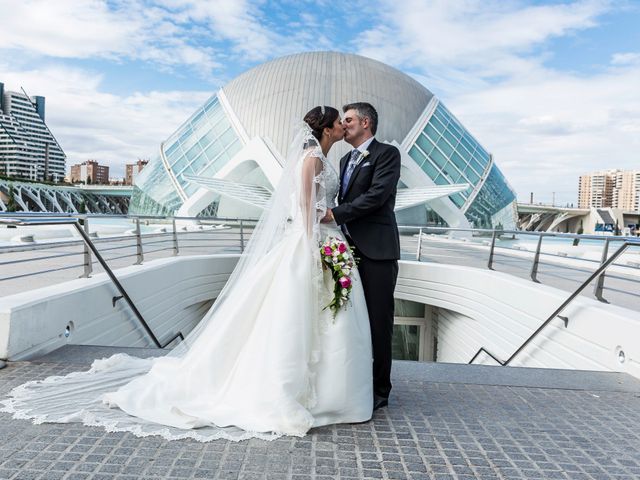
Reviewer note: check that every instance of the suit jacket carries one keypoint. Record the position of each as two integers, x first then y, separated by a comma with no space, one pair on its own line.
366,207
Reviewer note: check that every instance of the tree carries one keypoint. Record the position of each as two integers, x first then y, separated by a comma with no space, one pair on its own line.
580,231
11,204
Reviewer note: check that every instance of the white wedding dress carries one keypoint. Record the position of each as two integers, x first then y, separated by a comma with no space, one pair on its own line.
266,361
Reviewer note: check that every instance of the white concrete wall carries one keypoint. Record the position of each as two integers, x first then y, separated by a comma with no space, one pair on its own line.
474,307
172,295
477,307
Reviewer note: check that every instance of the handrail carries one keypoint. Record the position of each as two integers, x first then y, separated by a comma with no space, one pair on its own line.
489,231
123,293
556,313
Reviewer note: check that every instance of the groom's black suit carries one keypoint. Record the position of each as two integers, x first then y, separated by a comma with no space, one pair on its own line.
366,209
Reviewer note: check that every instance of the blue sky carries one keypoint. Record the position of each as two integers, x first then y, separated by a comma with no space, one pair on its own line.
551,88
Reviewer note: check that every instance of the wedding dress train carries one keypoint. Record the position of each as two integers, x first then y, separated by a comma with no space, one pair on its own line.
267,360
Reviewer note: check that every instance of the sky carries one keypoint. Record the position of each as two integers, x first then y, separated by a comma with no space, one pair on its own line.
550,88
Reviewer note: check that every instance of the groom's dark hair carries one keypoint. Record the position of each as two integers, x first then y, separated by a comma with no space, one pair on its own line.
364,109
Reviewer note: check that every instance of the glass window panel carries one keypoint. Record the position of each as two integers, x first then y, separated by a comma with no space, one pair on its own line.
417,155
234,148
174,155
432,133
210,170
454,174
197,119
430,170
463,152
213,150
171,149
456,129
438,158
452,139
207,138
194,152
482,156
476,166
179,164
450,174
468,142
220,127
437,124
457,199
199,163
441,180
228,137
440,115
213,102
184,135
458,161
425,144
471,175
445,147
215,115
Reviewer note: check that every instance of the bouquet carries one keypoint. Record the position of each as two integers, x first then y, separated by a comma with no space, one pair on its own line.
338,258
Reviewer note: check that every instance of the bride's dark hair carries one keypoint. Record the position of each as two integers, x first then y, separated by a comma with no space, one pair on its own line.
318,121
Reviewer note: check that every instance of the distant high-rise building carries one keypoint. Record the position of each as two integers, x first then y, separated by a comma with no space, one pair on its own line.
28,149
90,172
132,170
610,188
626,191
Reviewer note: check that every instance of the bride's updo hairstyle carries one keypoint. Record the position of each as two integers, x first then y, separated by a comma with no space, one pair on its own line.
319,120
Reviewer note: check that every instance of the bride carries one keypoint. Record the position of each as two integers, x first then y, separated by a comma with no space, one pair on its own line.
268,359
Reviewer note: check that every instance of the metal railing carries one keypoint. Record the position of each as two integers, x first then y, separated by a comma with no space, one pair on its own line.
207,235
204,235
598,273
537,256
91,254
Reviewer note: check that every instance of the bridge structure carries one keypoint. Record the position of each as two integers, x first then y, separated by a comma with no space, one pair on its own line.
553,218
548,218
39,198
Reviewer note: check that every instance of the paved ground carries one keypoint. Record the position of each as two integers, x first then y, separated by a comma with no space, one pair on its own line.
444,422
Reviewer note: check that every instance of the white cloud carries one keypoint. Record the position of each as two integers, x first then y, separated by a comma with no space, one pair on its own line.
486,61
488,37
65,28
628,58
90,123
545,132
86,29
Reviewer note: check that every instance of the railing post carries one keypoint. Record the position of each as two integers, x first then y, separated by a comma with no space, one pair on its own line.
419,251
536,260
493,246
88,261
139,252
176,250
241,236
599,287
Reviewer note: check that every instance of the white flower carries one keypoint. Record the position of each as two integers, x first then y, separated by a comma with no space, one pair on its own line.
365,154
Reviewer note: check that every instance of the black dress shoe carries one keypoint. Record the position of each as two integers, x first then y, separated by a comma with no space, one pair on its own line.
379,402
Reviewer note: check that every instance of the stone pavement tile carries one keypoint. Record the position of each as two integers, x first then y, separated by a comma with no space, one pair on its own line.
432,430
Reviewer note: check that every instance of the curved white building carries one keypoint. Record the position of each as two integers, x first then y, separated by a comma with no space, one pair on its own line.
242,132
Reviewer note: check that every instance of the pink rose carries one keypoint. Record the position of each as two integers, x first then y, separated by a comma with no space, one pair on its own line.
342,248
345,282
328,251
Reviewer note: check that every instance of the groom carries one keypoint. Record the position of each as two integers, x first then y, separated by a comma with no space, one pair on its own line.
369,177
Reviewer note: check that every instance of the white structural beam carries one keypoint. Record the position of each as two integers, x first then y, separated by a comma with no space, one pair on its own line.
258,196
410,197
255,195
